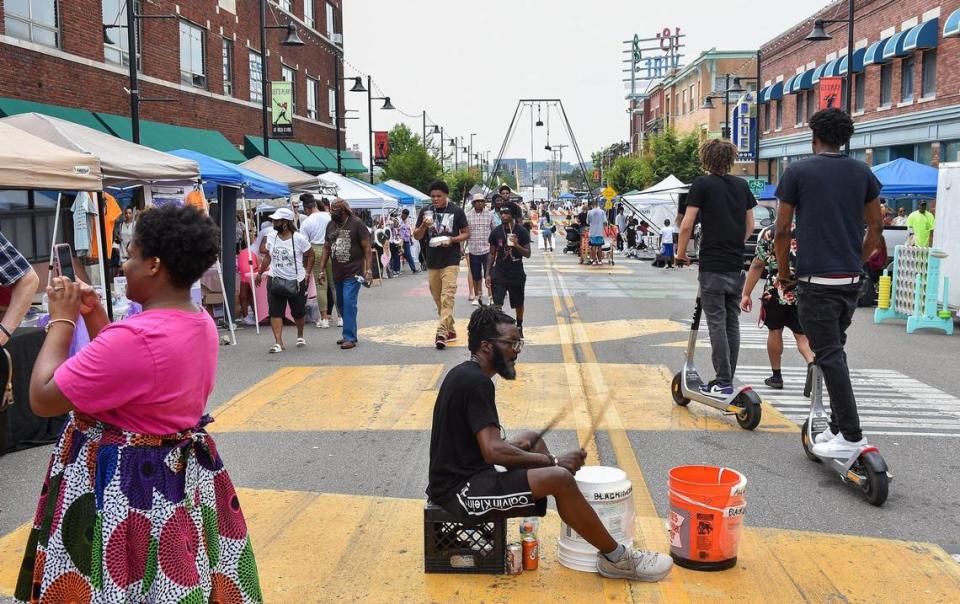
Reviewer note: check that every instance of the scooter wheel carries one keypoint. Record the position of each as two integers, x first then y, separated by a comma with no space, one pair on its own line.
749,415
677,392
807,444
877,485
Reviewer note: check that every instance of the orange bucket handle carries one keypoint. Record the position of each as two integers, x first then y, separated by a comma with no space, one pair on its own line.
737,489
733,510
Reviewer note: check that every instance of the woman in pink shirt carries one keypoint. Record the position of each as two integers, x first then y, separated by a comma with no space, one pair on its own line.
246,260
136,505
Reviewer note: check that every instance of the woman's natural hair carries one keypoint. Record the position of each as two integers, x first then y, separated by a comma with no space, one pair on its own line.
831,127
717,156
484,325
184,240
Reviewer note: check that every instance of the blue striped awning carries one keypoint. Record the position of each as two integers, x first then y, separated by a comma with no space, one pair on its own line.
774,92
827,70
804,81
857,62
762,95
818,72
874,54
894,47
923,36
788,85
951,28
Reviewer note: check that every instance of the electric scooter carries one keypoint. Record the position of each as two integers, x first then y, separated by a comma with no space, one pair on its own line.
865,468
744,403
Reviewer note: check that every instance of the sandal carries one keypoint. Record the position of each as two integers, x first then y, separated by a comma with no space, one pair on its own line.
276,348
301,342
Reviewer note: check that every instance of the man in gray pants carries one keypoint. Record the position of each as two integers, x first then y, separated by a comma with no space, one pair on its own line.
724,205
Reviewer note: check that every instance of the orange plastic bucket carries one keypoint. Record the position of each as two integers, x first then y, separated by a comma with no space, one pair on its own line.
707,506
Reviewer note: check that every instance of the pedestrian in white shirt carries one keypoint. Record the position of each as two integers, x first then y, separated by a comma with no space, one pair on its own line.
314,228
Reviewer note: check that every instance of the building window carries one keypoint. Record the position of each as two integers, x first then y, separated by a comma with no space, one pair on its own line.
799,98
924,153
227,67
779,115
308,12
950,151
886,84
332,104
766,117
811,104
193,65
906,79
286,5
928,79
312,86
33,20
860,94
256,77
117,50
331,21
289,75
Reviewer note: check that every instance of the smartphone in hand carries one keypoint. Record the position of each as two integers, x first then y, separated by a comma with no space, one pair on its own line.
63,261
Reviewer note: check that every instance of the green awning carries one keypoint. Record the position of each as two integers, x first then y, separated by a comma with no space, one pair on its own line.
167,137
351,165
310,162
253,146
83,117
327,156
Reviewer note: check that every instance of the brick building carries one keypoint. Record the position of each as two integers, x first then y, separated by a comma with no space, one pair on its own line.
206,60
906,90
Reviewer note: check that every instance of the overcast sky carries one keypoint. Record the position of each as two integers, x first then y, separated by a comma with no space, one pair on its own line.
467,63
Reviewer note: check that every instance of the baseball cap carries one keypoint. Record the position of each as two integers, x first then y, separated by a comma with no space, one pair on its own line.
282,214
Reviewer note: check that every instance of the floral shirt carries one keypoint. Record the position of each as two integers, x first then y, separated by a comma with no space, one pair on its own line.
766,254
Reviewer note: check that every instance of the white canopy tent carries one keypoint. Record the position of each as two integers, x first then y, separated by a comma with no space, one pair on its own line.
297,180
658,202
360,195
30,162
416,194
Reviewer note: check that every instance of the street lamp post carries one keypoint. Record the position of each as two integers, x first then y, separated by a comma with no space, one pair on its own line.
818,34
472,134
386,105
357,87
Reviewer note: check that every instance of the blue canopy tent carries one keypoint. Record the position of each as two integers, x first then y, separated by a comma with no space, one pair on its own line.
216,172
767,193
566,196
906,177
404,198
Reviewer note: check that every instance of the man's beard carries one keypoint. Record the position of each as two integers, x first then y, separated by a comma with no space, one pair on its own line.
505,369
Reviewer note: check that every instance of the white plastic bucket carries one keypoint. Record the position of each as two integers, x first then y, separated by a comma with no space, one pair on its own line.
610,494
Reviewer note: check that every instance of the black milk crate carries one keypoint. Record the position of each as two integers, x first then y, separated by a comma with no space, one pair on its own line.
450,546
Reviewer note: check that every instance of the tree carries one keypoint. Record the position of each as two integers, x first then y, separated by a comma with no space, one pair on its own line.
409,161
668,154
461,181
628,172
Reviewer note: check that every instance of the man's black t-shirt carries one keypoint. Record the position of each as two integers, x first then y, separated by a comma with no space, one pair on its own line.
448,222
723,202
464,407
509,264
828,192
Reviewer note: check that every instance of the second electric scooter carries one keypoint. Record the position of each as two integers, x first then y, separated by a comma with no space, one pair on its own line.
744,403
865,468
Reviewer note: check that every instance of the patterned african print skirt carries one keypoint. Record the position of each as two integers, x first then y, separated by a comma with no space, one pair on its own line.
127,517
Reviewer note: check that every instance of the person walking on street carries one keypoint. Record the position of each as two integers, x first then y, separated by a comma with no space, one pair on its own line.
441,228
289,258
725,205
348,247
835,198
921,223
509,245
621,226
666,243
596,220
547,228
776,311
314,228
406,235
396,246
480,222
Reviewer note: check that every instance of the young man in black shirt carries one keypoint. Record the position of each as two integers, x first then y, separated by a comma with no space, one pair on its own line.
724,204
509,245
467,440
441,227
834,197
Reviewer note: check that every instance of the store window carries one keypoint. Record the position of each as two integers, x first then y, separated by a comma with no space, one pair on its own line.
117,50
286,5
288,74
331,21
27,219
951,151
906,79
256,77
766,117
799,107
308,12
779,115
228,67
193,65
32,20
886,85
860,96
312,87
924,153
860,154
811,104
928,78
332,104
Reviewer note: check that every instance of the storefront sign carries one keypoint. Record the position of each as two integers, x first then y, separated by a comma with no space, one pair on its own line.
652,59
756,186
381,147
744,123
830,92
281,94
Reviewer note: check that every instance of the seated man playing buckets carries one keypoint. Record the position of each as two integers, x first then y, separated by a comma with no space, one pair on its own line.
467,441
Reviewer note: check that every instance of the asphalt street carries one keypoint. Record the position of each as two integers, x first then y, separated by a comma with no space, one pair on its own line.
355,423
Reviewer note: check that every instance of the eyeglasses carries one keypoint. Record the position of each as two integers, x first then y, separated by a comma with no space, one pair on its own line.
516,345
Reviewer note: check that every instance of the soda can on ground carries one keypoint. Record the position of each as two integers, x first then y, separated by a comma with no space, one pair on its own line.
531,553
514,559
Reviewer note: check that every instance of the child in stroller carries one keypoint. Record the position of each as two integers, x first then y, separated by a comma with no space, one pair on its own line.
572,237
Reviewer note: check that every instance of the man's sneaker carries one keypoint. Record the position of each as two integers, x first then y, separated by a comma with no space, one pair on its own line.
635,565
774,382
825,436
475,301
715,388
339,321
323,323
451,336
838,446
441,342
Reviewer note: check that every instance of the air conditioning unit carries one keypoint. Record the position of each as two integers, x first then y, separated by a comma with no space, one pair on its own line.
337,39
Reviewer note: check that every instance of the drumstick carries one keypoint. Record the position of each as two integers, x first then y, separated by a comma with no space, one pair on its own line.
550,425
596,421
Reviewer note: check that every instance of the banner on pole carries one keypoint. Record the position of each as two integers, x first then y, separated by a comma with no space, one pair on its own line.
381,147
830,92
281,94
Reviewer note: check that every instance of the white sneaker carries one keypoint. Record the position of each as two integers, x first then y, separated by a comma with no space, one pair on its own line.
838,446
825,436
636,565
339,321
323,323
474,301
